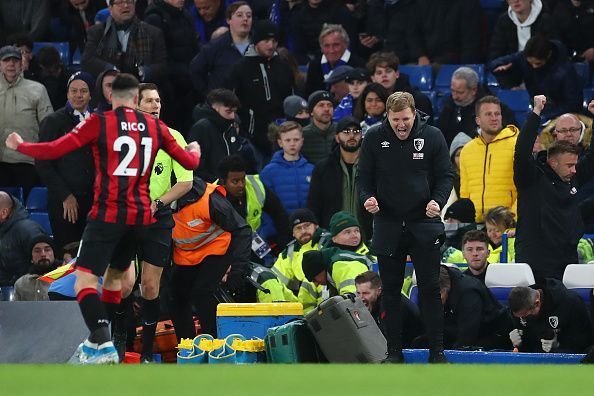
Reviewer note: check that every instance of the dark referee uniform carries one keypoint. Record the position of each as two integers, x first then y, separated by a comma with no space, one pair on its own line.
404,175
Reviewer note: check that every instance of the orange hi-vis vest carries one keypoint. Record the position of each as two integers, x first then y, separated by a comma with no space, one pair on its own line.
195,236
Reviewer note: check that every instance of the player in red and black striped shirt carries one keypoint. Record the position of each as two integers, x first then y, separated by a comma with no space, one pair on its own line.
124,143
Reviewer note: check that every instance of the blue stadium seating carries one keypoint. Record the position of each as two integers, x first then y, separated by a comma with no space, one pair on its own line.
17,192
62,47
420,76
579,278
37,200
588,96
492,4
583,70
492,83
42,218
518,101
414,294
501,278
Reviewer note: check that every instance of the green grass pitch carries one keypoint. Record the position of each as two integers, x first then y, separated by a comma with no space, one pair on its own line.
287,380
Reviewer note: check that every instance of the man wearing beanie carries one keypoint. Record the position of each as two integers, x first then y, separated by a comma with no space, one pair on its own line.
319,134
308,236
69,179
333,188
261,80
16,94
29,287
346,234
331,267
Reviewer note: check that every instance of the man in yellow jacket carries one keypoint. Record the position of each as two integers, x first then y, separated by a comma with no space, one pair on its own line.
486,162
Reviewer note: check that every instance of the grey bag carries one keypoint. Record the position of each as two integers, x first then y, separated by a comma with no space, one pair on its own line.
346,332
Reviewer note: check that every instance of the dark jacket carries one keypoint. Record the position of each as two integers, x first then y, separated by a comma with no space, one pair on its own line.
454,119
562,313
71,17
210,67
402,184
325,194
574,25
557,80
218,139
306,24
444,32
273,208
422,102
146,48
16,234
391,23
472,314
261,86
412,325
181,40
315,76
73,173
222,214
504,40
549,219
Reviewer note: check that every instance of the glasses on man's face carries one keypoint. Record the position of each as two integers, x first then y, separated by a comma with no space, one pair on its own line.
353,132
123,2
568,130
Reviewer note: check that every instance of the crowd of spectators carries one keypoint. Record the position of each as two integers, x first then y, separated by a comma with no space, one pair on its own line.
279,95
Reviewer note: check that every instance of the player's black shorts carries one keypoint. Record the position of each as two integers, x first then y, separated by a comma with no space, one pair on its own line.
155,248
108,244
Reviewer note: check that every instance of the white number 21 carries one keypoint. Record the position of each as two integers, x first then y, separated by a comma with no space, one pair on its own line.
123,168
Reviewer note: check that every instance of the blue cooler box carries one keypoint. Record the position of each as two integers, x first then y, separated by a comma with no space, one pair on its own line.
254,319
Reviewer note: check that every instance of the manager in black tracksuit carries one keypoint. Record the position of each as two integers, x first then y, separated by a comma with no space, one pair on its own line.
549,218
404,179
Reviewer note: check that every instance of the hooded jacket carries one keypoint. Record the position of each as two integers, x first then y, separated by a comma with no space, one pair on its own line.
549,218
404,175
217,137
16,234
101,103
505,39
261,85
486,171
288,179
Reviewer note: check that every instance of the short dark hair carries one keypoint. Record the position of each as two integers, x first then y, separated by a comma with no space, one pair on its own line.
147,87
383,59
486,99
231,163
500,215
538,47
233,7
521,298
475,236
369,276
124,82
223,96
561,147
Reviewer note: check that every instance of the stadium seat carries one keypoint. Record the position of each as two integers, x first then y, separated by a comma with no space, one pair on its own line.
16,192
414,294
6,293
583,70
420,76
492,4
37,200
518,101
62,47
42,219
580,279
444,76
492,84
432,95
501,278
